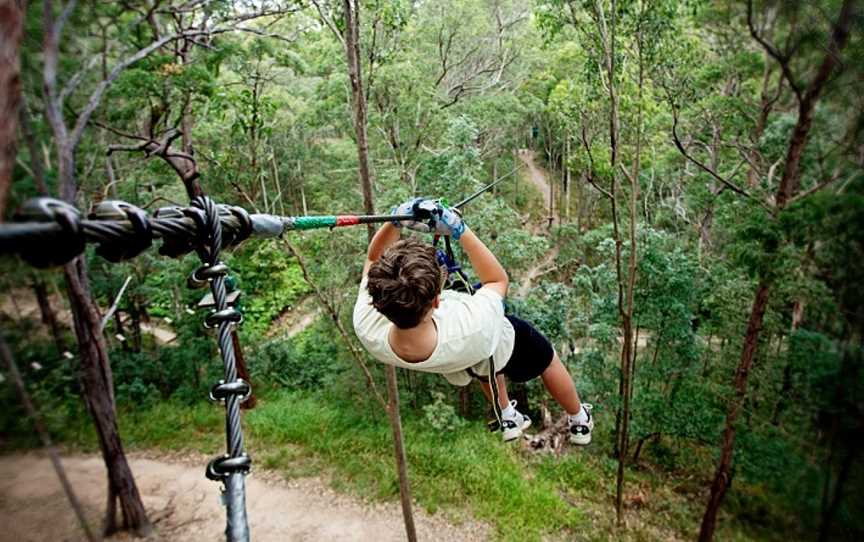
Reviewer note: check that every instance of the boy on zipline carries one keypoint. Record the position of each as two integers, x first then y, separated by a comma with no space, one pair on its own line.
403,318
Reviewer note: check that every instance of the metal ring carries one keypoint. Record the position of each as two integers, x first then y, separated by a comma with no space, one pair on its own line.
219,468
210,272
204,274
223,390
228,314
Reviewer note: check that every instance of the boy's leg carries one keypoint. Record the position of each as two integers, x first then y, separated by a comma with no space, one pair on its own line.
559,383
503,399
557,380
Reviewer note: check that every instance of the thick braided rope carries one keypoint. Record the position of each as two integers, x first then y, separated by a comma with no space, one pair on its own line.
212,246
234,493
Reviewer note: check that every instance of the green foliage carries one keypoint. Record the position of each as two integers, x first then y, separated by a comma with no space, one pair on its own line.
275,283
306,361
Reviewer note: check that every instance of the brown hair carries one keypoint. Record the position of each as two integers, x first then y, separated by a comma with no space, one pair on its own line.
404,282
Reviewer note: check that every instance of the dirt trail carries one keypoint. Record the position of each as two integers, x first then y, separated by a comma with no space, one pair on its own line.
185,506
538,177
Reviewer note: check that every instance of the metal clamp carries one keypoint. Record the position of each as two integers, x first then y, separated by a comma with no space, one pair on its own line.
204,274
223,390
228,314
219,468
233,237
62,249
179,243
142,239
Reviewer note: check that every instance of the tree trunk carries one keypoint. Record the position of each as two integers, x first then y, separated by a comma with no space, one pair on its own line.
96,374
49,317
11,32
358,103
99,397
352,52
722,476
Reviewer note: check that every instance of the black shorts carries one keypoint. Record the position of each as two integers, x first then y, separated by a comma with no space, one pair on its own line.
532,353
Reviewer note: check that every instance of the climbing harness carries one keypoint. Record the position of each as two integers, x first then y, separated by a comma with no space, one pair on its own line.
457,280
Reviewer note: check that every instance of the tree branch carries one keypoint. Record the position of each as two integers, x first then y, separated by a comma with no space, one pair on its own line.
782,59
729,184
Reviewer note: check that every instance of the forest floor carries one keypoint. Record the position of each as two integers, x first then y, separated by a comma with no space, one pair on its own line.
184,505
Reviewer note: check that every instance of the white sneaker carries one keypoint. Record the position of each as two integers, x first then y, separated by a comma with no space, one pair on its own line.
515,424
580,432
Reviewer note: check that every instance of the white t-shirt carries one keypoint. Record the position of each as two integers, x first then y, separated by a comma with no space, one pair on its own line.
470,329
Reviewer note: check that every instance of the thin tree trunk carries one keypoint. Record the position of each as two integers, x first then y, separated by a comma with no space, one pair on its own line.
49,317
11,33
99,397
352,52
36,163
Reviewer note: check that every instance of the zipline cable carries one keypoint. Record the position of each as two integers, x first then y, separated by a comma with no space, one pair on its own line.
485,189
49,232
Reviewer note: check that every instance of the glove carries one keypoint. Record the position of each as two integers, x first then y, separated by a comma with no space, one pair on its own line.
424,210
449,222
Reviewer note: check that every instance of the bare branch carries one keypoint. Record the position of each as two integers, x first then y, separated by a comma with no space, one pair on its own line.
782,59
726,181
75,80
590,173
328,22
114,305
816,188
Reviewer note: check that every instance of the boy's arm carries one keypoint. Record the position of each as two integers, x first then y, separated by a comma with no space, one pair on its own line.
490,272
384,237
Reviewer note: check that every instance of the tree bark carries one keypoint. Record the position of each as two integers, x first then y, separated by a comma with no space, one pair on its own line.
99,397
49,317
11,33
352,53
358,103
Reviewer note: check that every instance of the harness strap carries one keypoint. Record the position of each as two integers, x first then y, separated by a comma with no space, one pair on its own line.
454,269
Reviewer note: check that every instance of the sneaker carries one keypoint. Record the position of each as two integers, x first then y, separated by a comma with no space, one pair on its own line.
515,424
580,432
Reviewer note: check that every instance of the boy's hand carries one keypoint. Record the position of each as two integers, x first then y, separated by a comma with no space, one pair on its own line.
449,222
423,210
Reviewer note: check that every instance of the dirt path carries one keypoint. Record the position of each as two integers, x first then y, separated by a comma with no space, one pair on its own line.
538,177
185,506
21,304
542,267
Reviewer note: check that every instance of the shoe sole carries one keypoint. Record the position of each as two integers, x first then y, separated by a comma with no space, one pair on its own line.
516,433
580,441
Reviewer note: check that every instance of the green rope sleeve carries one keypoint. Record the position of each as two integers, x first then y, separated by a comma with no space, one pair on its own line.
314,222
